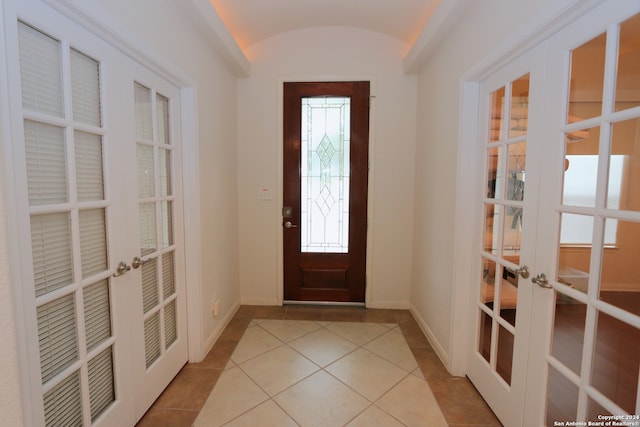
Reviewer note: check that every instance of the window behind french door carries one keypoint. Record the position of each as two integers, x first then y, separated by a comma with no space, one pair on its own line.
96,148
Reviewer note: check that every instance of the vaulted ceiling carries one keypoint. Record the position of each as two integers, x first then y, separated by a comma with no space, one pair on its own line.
251,21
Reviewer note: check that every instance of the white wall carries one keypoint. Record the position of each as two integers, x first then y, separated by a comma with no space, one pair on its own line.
483,28
162,25
334,53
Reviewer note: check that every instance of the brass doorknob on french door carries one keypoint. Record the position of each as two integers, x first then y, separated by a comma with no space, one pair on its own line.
121,269
289,224
137,262
542,281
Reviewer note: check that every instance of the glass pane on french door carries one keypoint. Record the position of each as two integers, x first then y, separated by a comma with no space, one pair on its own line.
69,215
154,153
595,342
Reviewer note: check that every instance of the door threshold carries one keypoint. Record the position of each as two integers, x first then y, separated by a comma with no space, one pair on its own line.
337,303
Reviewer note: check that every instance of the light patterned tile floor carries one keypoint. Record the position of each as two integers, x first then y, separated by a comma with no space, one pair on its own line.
320,374
319,366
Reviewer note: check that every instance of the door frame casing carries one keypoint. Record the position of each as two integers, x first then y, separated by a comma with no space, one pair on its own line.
371,184
106,29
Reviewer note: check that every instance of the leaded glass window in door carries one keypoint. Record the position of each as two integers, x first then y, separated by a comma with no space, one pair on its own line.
325,174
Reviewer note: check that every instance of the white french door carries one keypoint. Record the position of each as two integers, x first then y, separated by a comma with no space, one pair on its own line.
94,153
578,358
585,356
510,149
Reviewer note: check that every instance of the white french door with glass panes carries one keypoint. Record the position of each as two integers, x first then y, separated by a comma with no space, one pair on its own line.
571,213
585,356
510,149
94,148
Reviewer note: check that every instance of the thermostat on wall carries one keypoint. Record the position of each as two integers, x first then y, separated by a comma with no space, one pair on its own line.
265,194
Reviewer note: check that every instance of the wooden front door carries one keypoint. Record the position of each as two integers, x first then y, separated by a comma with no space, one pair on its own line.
325,162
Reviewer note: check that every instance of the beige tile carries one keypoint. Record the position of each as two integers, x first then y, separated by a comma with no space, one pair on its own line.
219,355
323,346
233,395
377,315
359,333
297,312
269,312
393,347
344,314
254,342
321,400
288,330
418,373
375,417
159,417
189,389
460,402
267,414
366,373
412,403
278,369
430,364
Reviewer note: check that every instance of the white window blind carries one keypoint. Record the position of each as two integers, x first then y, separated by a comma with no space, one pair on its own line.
168,279
152,345
170,326
46,163
41,71
150,285
147,212
85,88
89,166
63,404
166,223
164,166
97,313
144,120
51,249
57,336
146,180
101,386
93,241
162,117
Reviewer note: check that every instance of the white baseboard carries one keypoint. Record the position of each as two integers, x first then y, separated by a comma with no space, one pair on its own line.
437,347
210,342
260,301
390,305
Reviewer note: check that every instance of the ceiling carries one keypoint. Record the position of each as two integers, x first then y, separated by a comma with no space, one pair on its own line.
251,21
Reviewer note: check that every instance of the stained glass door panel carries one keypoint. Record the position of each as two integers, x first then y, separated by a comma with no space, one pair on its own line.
325,136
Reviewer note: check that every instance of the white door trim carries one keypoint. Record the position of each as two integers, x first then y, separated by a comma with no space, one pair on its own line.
540,28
